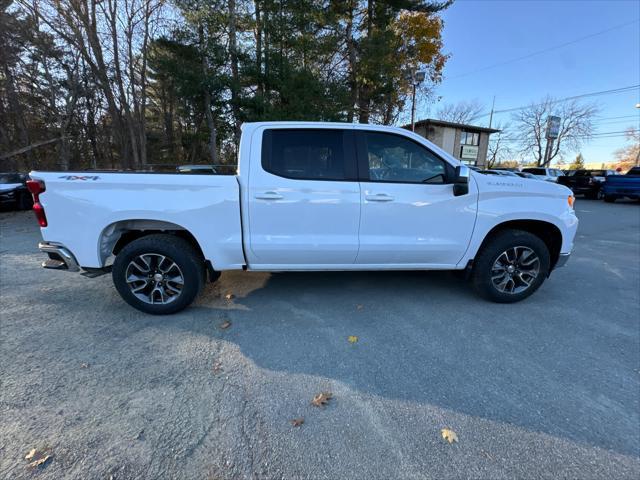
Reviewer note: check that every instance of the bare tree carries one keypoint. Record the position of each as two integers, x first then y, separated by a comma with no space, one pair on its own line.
630,155
461,112
576,126
111,38
500,148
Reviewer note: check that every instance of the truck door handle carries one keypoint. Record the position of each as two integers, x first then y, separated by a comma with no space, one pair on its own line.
380,197
269,196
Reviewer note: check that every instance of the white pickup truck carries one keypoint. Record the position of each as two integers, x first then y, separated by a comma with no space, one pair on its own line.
307,197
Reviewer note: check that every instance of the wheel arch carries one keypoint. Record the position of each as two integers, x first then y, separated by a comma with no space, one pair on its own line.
118,234
549,233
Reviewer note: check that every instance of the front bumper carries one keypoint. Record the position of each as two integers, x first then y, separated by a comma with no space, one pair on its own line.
60,258
563,258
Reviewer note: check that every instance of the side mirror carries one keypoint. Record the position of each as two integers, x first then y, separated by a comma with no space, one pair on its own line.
461,181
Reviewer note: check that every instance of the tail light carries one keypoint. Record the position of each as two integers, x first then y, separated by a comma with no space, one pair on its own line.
36,187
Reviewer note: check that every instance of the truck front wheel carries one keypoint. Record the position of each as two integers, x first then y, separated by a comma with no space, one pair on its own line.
158,274
510,266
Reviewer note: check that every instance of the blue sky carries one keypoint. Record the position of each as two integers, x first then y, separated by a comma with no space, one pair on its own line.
478,33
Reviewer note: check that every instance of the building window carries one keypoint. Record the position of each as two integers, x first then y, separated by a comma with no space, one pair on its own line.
469,147
469,138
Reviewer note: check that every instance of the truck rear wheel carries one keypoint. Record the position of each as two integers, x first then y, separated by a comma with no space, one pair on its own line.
158,274
511,266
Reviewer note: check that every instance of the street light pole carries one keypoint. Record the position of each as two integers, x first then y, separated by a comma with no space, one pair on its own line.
417,77
638,155
413,108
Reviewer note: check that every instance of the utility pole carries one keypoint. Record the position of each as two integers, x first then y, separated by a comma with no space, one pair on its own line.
493,104
638,155
547,152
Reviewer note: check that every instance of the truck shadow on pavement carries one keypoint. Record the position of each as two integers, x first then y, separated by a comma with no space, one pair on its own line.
425,337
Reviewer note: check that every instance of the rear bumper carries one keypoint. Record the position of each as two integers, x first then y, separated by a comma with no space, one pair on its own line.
60,258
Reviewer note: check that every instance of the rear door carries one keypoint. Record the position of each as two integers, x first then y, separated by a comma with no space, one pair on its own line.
304,198
410,215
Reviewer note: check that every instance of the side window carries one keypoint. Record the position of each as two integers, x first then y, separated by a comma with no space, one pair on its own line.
392,158
305,153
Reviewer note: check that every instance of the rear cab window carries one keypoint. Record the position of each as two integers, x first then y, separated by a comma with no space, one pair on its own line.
309,154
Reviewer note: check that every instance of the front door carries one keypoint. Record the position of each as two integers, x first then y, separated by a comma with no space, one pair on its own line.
304,199
409,213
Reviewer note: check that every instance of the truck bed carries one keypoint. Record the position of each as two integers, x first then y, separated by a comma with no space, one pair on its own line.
84,206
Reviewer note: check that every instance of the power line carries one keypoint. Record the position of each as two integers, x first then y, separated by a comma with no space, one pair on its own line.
613,122
575,97
631,130
621,116
545,50
560,100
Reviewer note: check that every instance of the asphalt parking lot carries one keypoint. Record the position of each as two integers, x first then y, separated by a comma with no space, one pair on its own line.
547,388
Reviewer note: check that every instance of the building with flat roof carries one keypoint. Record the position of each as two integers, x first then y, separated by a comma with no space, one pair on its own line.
468,143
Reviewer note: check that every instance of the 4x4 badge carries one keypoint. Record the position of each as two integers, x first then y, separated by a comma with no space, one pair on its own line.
80,177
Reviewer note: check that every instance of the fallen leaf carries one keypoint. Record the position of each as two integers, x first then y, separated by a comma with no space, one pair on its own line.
359,307
229,296
321,399
217,367
449,435
226,324
40,461
31,454
487,454
352,339
296,422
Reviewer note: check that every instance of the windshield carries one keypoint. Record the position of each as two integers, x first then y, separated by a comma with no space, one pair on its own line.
590,173
11,178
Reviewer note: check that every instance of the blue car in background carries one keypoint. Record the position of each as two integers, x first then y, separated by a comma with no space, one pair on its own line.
621,186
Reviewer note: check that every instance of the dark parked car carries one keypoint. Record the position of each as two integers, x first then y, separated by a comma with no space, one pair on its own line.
13,191
527,175
586,182
503,173
619,186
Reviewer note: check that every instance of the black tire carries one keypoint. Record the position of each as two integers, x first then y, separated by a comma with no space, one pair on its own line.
24,202
481,276
591,195
189,262
609,198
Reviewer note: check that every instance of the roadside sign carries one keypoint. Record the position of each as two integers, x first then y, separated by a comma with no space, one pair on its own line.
469,152
553,126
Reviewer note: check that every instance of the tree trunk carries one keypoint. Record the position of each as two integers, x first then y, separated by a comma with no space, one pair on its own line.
19,124
352,56
258,35
235,80
213,153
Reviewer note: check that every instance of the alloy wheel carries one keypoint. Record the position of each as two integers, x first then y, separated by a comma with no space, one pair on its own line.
515,270
154,278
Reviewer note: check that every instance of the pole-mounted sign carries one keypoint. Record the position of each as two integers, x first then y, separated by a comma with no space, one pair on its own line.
553,130
553,126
